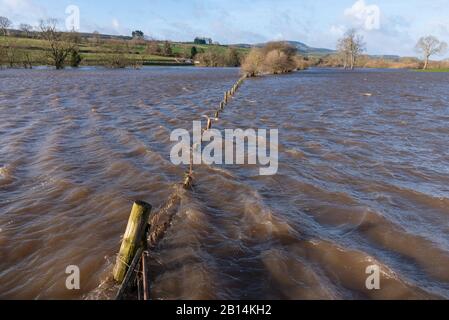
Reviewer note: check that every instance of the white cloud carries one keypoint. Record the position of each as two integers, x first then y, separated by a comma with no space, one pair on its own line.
116,27
364,16
16,4
338,30
21,11
115,24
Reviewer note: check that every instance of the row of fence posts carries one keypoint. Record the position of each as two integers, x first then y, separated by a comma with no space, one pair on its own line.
188,176
131,267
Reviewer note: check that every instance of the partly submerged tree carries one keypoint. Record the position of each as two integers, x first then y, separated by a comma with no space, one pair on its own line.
350,47
429,46
216,56
60,45
11,53
213,57
273,58
5,23
12,56
118,57
252,63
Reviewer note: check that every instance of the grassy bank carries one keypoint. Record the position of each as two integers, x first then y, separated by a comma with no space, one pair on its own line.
373,62
433,70
20,51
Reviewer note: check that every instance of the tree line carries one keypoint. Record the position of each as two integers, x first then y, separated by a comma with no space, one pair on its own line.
352,45
63,49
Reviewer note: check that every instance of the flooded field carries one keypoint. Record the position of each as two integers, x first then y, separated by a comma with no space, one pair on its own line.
363,180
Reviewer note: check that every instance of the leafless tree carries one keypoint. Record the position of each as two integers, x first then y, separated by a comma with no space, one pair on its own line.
167,49
2,56
60,44
343,52
26,28
429,46
26,60
11,53
153,48
5,23
350,47
96,37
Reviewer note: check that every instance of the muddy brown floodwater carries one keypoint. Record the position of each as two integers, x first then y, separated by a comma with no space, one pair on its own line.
363,180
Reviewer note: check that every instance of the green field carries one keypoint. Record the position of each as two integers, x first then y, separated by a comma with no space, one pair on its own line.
95,52
434,70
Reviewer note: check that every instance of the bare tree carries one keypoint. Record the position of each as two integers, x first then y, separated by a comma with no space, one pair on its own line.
153,48
96,37
26,60
167,49
343,52
60,44
12,54
429,46
26,28
5,23
350,47
2,56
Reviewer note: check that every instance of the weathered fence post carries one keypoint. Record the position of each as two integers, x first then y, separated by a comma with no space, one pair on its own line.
132,239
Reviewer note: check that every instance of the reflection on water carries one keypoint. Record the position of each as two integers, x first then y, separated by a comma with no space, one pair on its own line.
362,180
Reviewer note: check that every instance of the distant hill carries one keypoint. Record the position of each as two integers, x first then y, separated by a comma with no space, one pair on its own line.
386,57
302,48
305,49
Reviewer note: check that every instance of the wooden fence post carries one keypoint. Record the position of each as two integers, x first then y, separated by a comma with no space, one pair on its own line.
132,239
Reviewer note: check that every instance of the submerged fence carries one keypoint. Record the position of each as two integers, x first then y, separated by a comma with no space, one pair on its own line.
145,230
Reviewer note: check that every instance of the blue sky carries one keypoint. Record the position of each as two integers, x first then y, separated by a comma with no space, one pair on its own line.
389,26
